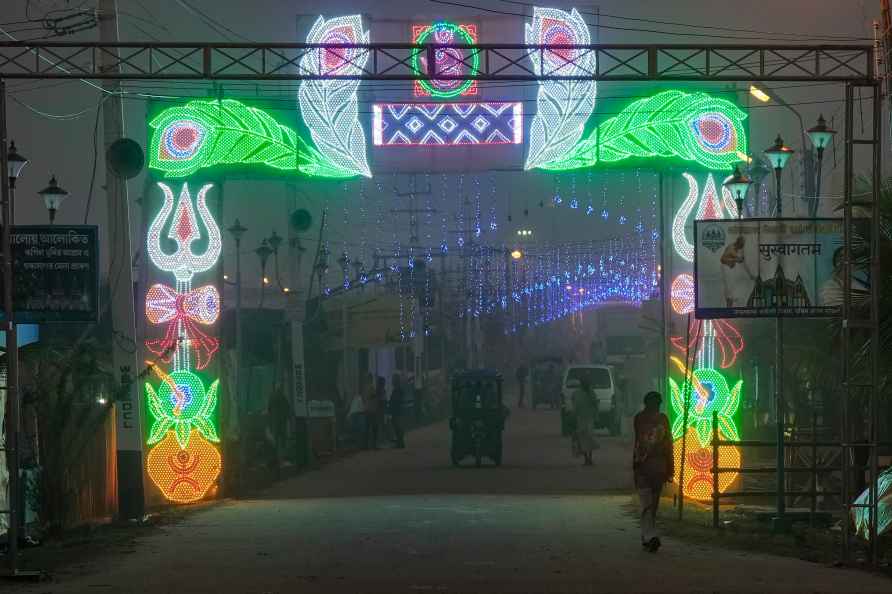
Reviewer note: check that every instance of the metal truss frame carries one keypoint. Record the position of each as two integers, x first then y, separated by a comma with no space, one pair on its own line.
852,65
392,61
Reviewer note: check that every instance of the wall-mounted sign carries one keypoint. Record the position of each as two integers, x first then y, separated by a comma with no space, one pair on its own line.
56,270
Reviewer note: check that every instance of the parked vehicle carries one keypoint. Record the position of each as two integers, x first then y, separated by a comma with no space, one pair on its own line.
601,380
478,416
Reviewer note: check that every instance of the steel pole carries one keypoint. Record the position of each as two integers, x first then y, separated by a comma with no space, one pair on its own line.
12,347
128,430
813,208
779,374
239,408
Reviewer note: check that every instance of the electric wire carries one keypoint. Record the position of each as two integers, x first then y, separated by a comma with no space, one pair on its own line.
217,26
52,116
615,28
701,26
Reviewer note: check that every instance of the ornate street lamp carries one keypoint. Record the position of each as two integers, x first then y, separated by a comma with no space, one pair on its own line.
738,184
14,163
779,154
821,136
53,196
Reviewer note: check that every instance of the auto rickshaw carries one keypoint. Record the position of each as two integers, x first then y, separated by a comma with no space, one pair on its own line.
478,416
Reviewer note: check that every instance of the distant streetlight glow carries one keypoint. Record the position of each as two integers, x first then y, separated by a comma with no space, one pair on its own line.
517,254
759,94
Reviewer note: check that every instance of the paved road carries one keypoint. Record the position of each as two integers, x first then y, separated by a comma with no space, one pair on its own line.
405,521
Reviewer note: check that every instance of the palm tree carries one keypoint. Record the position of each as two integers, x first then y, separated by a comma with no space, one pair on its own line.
861,297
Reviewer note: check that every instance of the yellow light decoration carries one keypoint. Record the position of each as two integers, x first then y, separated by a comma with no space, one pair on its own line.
184,475
698,465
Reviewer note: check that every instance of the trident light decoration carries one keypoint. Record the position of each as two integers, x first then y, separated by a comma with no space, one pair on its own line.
710,206
183,463
562,106
447,61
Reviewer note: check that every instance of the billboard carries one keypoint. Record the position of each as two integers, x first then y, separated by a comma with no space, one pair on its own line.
769,268
56,273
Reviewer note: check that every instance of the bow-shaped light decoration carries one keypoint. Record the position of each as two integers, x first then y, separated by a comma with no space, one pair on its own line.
165,305
724,334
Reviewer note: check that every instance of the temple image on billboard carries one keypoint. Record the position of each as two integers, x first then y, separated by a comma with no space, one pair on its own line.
779,292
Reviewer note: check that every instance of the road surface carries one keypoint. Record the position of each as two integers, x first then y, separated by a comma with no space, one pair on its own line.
393,521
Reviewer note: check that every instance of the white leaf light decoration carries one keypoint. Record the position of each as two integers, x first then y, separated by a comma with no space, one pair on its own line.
329,107
562,107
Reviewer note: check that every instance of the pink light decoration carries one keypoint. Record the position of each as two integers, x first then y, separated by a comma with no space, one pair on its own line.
164,305
682,294
727,337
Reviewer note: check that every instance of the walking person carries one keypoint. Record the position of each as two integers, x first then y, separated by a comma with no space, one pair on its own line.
396,411
381,395
371,405
653,464
585,407
521,376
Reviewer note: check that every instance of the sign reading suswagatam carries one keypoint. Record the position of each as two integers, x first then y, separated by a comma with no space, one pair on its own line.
769,268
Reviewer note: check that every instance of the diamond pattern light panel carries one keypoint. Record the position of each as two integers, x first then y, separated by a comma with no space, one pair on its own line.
447,124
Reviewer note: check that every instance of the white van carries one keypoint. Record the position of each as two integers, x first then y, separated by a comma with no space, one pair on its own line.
600,378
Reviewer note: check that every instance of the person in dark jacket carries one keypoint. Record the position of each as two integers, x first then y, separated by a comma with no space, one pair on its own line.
396,411
653,463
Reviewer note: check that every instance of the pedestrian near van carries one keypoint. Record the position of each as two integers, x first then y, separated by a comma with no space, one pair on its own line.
652,463
397,398
371,405
585,407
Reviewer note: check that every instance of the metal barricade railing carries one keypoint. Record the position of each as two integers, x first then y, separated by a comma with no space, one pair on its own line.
813,468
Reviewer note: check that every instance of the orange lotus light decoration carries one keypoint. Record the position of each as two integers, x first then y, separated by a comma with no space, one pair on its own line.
184,475
697,482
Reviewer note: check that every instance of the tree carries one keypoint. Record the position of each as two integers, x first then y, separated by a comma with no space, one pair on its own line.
70,391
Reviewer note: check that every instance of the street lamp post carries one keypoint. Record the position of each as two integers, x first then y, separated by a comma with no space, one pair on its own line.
237,231
263,252
14,163
738,184
53,196
779,154
821,136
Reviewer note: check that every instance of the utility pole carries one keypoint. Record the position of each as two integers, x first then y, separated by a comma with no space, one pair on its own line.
12,353
297,300
131,499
